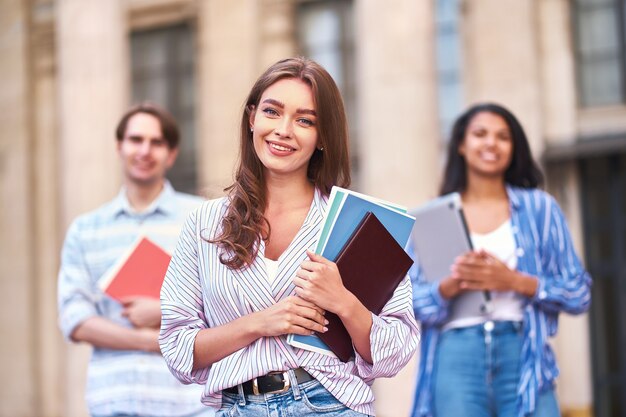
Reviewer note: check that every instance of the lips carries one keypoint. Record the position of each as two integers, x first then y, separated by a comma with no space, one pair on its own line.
143,165
488,156
279,148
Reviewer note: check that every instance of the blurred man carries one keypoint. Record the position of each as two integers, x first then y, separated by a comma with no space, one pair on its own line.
127,375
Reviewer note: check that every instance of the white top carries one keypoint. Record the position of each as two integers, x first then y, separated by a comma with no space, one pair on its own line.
271,266
506,305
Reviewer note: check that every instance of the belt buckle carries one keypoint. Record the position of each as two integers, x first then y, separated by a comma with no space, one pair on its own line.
285,388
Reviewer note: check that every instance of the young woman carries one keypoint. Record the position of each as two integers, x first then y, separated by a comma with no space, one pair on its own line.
498,363
243,278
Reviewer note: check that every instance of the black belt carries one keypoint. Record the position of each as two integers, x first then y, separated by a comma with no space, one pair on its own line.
272,383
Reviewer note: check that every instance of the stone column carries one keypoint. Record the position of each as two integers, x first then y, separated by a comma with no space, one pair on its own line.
558,79
572,343
47,232
501,60
227,67
93,92
398,138
276,29
17,351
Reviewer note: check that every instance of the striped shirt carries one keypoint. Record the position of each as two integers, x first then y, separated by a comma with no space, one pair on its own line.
199,292
545,251
121,382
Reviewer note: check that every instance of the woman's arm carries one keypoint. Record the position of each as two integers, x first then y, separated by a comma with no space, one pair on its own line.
481,270
383,343
565,285
319,282
189,345
292,315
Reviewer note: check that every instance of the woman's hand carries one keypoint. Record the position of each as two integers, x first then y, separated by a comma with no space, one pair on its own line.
318,281
450,287
480,270
142,312
291,315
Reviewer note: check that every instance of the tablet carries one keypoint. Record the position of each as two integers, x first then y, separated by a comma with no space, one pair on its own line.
439,235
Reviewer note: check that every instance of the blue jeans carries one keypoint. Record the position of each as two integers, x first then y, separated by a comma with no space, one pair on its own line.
206,412
305,400
477,371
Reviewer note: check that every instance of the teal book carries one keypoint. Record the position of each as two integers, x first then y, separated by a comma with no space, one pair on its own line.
352,210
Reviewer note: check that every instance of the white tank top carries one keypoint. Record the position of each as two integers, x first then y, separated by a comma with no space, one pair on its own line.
506,305
271,266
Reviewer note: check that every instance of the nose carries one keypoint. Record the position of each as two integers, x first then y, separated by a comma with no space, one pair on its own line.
144,148
284,129
491,140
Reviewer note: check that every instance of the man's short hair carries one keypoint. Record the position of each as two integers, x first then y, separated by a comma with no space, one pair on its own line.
169,127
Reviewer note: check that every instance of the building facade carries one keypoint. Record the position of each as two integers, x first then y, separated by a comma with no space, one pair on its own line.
406,68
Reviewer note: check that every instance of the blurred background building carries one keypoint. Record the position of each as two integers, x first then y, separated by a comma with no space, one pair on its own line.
69,68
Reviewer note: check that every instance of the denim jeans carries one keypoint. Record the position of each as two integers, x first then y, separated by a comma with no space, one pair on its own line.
206,412
304,400
477,371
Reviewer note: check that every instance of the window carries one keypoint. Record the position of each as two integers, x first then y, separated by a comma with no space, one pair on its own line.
326,35
448,52
601,51
603,180
163,72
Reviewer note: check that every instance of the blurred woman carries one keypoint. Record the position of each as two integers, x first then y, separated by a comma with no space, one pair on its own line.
497,363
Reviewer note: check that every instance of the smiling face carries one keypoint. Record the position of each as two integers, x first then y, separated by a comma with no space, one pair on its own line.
284,128
144,152
487,146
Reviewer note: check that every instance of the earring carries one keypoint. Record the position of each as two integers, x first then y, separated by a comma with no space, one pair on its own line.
251,129
321,149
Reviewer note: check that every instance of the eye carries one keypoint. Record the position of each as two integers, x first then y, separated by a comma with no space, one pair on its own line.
504,136
479,133
270,111
306,122
159,142
134,139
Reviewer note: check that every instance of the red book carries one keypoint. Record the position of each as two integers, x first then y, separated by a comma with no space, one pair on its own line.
140,272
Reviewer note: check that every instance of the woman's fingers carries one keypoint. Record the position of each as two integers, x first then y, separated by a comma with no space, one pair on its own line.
303,312
304,303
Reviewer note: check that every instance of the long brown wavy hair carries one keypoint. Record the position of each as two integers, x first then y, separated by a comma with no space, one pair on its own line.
244,224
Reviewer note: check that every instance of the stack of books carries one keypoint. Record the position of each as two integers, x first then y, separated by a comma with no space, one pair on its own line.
365,237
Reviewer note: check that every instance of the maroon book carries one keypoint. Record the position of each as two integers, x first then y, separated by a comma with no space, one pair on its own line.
371,265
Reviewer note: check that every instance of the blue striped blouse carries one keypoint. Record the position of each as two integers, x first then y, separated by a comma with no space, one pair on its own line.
545,251
200,292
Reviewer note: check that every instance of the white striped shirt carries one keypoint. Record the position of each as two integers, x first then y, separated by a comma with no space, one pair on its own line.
119,381
199,292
